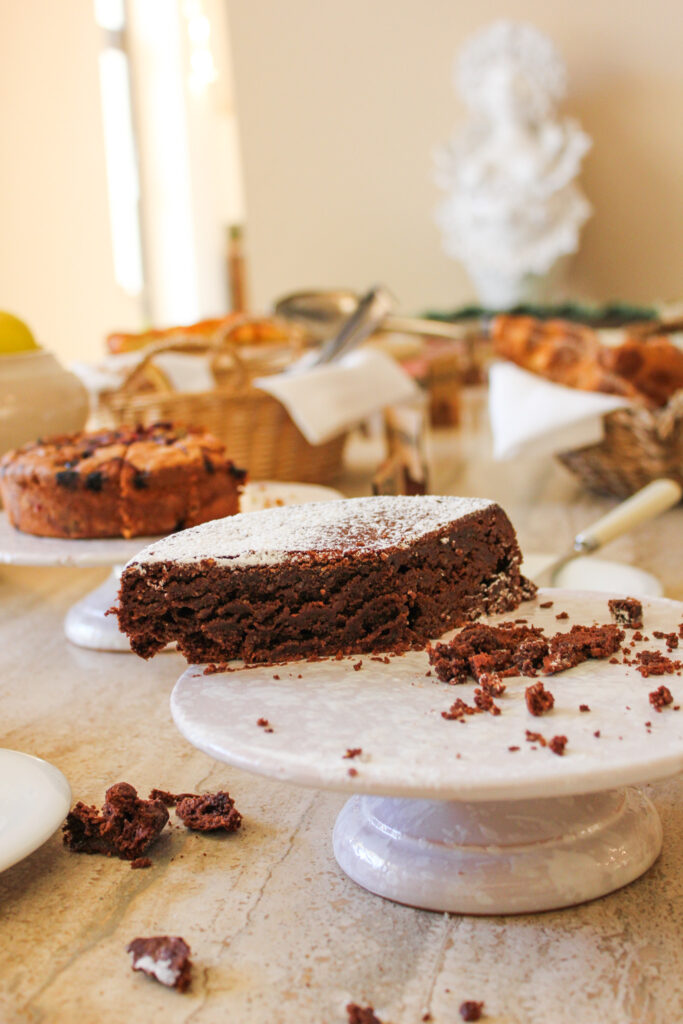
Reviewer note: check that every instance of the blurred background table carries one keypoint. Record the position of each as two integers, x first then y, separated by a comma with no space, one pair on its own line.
278,933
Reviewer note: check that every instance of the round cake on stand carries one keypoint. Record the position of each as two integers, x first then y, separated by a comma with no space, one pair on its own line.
477,815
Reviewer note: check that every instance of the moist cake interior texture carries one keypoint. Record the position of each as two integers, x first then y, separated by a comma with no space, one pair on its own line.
351,576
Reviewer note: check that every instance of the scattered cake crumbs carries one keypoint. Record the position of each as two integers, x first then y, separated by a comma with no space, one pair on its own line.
562,615
546,604
535,737
265,724
513,749
627,612
557,744
597,734
361,1014
166,958
670,638
538,699
276,677
352,772
660,697
209,812
471,1010
583,707
459,709
353,752
125,828
358,666
141,862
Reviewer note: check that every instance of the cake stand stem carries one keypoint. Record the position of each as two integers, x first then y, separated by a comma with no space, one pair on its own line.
497,857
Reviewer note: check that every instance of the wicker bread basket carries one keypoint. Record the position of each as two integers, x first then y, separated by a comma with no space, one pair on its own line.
639,445
258,432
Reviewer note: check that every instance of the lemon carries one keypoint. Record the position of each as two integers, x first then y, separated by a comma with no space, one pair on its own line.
15,336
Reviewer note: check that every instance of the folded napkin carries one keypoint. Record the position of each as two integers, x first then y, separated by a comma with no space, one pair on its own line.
326,400
532,416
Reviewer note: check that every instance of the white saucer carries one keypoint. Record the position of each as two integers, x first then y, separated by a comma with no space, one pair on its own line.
446,816
591,573
34,801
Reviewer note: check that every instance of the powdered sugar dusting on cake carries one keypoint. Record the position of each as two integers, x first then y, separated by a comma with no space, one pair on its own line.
292,532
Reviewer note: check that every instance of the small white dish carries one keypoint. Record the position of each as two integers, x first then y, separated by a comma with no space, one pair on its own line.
34,801
590,573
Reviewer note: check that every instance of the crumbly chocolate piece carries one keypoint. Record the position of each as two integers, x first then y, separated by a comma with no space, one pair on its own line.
654,663
141,862
359,575
491,652
361,1014
661,697
471,1010
353,752
557,744
538,699
166,958
167,799
484,701
125,828
584,707
265,724
627,612
535,737
565,650
546,604
562,615
209,812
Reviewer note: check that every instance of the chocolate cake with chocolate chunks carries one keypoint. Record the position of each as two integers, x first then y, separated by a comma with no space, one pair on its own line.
343,577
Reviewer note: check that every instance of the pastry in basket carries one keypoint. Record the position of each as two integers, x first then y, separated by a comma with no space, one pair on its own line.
132,481
644,364
242,331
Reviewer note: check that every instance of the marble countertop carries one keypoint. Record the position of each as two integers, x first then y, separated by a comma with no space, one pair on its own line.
278,933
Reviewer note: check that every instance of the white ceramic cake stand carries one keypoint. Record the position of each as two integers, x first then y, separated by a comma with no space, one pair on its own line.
444,815
87,623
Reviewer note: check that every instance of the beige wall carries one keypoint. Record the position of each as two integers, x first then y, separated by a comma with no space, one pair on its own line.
56,265
342,103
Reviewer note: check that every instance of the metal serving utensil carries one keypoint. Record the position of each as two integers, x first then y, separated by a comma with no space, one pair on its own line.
645,504
324,312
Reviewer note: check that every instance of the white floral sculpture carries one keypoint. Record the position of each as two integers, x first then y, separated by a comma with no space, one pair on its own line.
512,207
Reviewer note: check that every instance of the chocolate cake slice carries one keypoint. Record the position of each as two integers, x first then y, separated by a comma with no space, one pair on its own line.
342,577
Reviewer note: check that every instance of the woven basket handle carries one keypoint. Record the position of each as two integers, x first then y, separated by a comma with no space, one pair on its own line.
217,347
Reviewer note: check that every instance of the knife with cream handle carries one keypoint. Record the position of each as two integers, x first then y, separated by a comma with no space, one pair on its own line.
645,504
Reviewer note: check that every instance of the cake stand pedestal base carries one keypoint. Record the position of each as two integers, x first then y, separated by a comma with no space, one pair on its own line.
497,857
87,624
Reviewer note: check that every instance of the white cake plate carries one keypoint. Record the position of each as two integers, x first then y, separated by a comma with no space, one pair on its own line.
444,815
34,801
87,623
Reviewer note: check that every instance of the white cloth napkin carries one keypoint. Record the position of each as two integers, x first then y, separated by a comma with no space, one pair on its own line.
532,416
326,400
